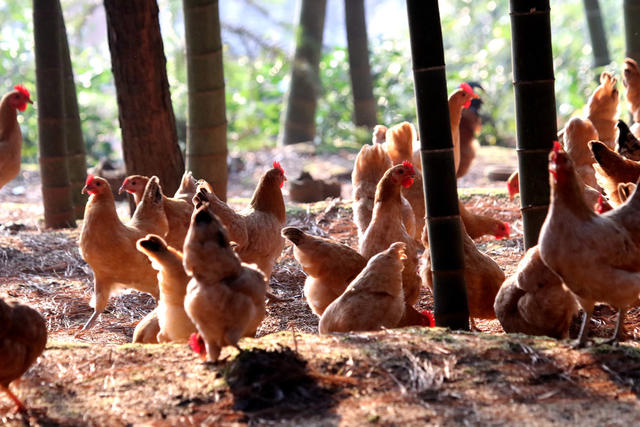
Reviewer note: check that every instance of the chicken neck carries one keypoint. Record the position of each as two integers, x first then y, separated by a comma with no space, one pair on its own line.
268,198
8,116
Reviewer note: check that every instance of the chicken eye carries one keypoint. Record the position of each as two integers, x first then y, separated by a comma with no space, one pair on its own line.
98,183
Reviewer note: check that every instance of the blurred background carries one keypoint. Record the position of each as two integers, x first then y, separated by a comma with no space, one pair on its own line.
259,38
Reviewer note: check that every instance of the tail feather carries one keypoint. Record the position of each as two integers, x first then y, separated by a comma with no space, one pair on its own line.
628,144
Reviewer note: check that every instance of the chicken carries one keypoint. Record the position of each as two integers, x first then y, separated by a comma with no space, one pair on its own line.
173,322
631,82
379,133
386,226
577,134
109,246
374,299
23,337
460,99
533,300
330,266
225,297
10,134
596,256
470,124
602,109
147,329
370,165
482,276
399,146
592,196
187,188
513,184
628,144
255,230
613,169
480,225
177,211
399,142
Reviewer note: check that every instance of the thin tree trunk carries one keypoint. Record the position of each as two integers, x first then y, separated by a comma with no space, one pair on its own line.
364,103
597,33
207,121
444,225
536,127
149,139
56,192
632,28
299,122
76,159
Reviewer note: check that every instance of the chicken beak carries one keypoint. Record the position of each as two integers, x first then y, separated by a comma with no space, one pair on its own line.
29,101
121,190
85,190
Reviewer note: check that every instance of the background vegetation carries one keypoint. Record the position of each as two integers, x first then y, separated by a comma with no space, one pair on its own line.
477,47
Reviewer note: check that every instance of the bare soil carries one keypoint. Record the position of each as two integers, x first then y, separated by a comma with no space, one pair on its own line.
288,374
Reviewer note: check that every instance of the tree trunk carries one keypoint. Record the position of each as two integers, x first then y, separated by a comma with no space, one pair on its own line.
299,122
536,127
207,121
444,225
364,104
76,160
632,28
149,139
597,33
56,192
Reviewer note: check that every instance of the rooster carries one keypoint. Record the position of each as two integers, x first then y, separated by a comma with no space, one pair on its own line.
10,134
596,256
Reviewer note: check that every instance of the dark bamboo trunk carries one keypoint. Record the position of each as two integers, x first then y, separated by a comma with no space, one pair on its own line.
56,191
632,28
536,127
444,225
149,138
596,33
364,104
299,119
76,159
207,122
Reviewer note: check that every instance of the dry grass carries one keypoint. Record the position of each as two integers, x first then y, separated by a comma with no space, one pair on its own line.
408,376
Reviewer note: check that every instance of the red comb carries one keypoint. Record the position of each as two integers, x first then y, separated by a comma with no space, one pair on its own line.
407,164
466,87
603,205
89,179
505,234
197,344
429,320
23,90
556,146
276,165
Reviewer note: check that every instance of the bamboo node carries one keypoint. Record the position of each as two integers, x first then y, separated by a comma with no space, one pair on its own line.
534,208
434,68
533,82
442,218
436,150
534,150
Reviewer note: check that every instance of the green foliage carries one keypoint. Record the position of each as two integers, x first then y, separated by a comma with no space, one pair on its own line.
477,48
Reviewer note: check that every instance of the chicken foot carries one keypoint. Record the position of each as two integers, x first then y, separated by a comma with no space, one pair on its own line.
19,405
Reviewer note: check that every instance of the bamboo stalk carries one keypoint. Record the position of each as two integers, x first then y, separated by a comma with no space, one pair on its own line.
364,104
299,118
206,153
56,191
632,28
536,127
596,33
443,217
74,141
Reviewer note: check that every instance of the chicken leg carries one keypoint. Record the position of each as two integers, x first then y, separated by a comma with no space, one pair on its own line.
619,331
19,405
582,336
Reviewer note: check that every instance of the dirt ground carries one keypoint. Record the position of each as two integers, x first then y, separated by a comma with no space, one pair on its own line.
407,376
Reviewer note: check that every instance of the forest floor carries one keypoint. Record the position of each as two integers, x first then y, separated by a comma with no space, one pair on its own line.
288,374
